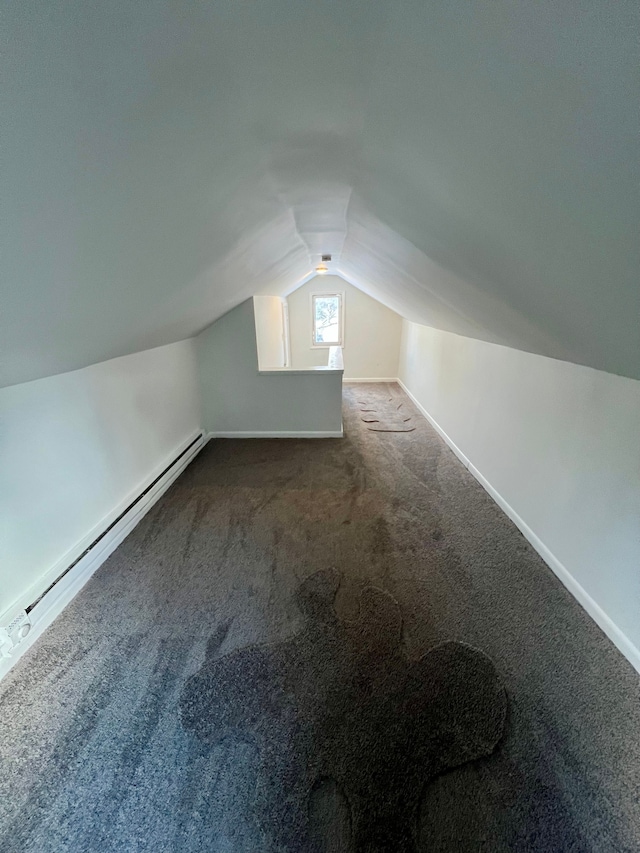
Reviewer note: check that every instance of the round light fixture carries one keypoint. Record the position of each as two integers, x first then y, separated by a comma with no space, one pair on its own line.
322,269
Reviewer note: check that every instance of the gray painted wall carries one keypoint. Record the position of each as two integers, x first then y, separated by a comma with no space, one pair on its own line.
236,398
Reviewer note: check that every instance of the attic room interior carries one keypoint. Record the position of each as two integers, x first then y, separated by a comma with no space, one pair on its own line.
320,427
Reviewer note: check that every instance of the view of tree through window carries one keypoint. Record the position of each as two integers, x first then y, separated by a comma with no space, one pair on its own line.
327,319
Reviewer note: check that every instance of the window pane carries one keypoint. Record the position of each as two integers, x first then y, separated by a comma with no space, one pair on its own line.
326,319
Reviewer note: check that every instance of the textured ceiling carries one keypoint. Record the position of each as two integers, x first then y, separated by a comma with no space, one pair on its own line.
473,164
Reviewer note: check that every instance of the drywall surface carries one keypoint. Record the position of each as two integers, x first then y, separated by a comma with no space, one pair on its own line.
559,443
472,163
73,446
236,398
371,331
270,336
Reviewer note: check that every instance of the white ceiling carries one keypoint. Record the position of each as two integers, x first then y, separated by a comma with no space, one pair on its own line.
473,164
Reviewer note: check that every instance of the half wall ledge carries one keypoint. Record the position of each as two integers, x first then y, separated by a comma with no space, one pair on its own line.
293,371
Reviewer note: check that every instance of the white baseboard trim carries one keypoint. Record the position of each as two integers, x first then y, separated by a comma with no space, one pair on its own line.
613,632
56,599
371,379
278,434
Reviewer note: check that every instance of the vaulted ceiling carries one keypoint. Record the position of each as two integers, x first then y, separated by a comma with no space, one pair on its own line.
473,164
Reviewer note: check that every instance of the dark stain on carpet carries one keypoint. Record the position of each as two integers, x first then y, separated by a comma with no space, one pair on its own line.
348,730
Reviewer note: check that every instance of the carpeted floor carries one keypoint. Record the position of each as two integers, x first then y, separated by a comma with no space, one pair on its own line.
171,707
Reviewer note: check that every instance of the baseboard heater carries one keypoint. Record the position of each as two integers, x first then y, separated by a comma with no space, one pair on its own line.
116,521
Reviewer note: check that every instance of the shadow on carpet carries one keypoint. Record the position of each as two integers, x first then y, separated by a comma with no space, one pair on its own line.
347,729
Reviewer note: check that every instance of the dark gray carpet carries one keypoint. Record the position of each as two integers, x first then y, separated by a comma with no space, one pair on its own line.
386,415
341,703
95,756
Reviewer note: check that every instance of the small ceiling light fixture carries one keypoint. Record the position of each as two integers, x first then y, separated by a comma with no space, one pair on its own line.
321,269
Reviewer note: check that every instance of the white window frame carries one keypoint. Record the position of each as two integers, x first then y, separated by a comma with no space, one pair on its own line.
324,294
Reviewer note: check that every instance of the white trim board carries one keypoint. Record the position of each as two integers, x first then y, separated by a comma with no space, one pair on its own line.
278,434
56,599
296,371
371,379
604,622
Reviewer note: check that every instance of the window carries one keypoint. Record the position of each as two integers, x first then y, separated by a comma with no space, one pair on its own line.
327,320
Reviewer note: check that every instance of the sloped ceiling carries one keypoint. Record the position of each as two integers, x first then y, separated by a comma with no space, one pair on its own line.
473,164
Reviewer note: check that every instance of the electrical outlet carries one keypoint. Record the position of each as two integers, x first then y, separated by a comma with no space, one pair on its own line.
13,632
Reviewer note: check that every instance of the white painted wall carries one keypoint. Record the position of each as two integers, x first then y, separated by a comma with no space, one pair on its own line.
74,446
371,331
560,443
270,331
238,399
